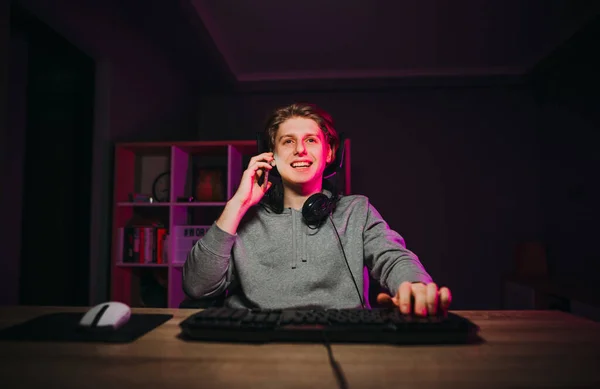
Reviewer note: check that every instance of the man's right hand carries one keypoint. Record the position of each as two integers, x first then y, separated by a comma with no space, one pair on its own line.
249,191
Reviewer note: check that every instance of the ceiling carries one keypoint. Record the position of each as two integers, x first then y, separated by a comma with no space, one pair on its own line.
273,40
245,43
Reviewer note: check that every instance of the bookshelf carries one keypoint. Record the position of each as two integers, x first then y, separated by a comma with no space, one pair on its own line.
136,166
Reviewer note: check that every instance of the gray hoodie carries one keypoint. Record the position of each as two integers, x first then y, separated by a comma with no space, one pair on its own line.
277,261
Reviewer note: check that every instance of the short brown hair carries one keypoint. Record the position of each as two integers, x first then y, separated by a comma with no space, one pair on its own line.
301,110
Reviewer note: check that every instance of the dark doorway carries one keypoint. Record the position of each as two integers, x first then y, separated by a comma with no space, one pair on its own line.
54,266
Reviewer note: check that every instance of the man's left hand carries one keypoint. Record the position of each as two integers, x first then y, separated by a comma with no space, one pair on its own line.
418,298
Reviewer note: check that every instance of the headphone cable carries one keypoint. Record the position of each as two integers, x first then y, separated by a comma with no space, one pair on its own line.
335,365
362,303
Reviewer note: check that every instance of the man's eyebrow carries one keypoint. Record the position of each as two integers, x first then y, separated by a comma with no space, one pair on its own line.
293,136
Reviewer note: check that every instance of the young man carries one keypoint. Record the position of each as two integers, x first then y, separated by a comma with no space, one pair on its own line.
269,254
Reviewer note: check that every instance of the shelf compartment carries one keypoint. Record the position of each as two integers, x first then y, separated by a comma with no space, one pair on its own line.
200,204
201,215
126,264
142,215
136,169
141,204
199,172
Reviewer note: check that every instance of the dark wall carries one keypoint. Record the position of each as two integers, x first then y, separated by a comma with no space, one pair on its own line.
140,95
567,93
149,98
57,170
455,170
8,293
14,154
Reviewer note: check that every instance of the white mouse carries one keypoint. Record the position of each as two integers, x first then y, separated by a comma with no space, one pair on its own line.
112,314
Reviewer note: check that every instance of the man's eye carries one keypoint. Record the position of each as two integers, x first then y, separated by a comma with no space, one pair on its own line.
312,140
287,141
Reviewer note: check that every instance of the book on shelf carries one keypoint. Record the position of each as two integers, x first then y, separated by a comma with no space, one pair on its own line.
143,244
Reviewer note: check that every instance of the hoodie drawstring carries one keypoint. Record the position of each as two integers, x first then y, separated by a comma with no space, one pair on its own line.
304,242
294,245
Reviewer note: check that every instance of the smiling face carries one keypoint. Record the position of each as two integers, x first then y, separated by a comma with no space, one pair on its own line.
301,154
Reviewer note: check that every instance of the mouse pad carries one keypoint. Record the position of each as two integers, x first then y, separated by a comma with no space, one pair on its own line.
64,327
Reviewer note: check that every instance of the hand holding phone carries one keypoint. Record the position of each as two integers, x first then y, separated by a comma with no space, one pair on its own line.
255,180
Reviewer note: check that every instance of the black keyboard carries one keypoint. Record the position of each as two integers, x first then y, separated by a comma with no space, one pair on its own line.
329,325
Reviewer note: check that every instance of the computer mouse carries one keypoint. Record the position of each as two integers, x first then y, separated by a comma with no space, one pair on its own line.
109,315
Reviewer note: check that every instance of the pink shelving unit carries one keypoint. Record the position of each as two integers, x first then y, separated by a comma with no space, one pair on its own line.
136,166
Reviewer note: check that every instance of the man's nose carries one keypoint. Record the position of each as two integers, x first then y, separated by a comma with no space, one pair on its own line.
300,148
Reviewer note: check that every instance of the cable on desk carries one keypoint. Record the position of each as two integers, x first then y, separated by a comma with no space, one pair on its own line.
337,369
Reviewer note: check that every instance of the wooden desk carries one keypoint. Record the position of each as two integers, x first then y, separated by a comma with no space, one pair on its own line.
526,349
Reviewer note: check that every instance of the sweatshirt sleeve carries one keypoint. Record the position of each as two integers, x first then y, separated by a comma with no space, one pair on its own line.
207,269
386,255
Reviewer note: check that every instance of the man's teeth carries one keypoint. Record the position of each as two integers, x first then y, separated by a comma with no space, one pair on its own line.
301,164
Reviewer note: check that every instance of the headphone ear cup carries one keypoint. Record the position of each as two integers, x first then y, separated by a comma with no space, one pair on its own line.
338,159
316,208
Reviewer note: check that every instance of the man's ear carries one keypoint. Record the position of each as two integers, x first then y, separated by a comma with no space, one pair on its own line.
330,154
